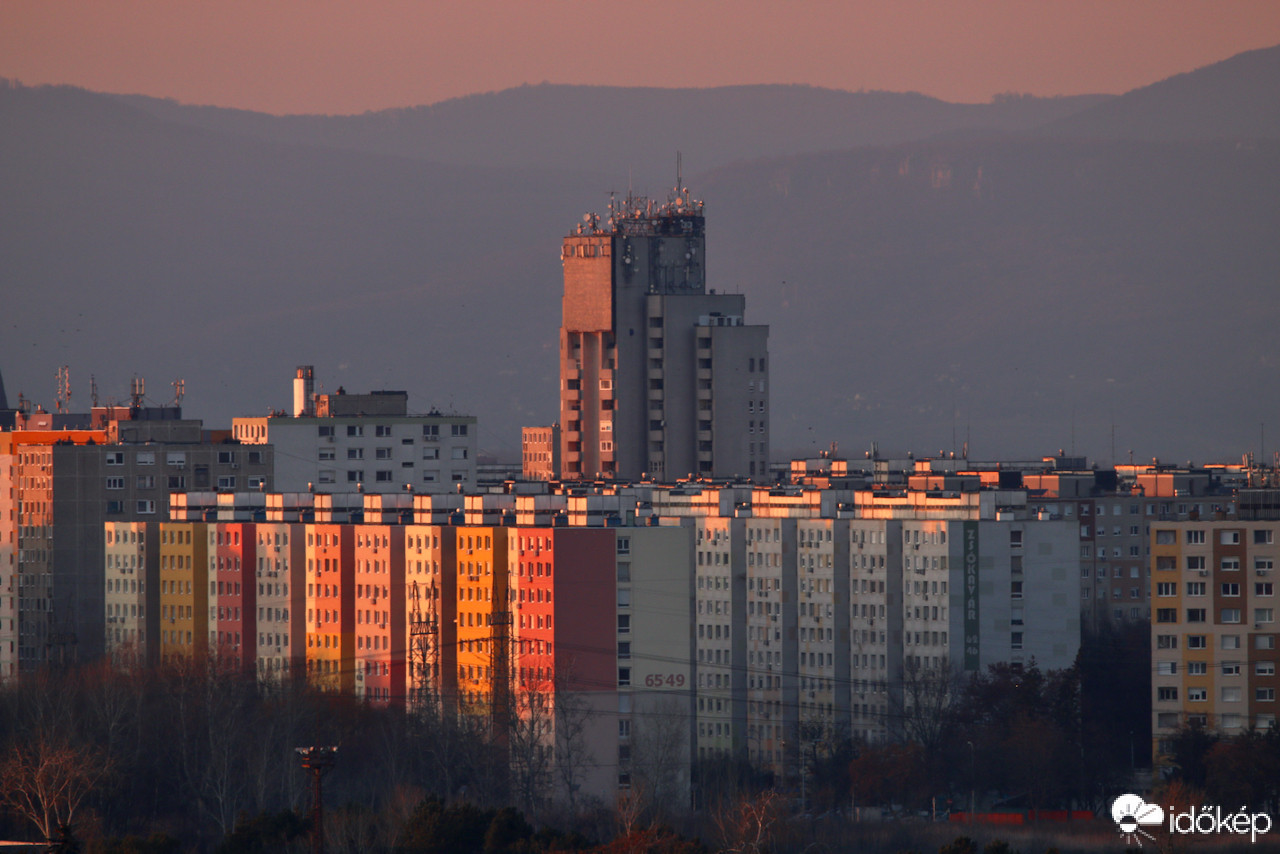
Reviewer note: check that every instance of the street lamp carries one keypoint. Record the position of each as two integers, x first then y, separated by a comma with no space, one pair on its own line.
317,760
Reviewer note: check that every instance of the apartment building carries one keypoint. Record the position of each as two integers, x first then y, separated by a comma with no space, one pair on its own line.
1214,630
131,560
659,377
68,484
368,442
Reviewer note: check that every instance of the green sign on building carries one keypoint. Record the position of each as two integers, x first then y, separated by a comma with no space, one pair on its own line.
971,630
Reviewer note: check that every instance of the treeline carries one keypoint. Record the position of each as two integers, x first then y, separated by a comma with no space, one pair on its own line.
1208,768
203,758
187,752
1007,738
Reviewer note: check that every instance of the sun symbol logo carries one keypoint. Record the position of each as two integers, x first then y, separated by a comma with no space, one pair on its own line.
1132,813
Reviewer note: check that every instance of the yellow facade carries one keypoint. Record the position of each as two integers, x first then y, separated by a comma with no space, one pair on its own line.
484,616
184,591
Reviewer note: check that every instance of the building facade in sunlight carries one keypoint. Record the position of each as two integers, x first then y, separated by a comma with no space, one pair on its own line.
659,376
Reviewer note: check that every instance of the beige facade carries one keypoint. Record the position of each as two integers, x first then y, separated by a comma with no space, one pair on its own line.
1213,629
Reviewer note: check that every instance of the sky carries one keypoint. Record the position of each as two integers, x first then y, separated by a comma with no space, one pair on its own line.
323,56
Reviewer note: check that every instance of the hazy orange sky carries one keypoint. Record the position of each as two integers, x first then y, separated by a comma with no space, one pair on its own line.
289,56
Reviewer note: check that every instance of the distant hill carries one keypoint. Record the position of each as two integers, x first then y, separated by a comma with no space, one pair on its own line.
614,130
1238,98
1031,287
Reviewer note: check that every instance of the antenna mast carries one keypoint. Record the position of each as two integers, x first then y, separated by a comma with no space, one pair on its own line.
63,398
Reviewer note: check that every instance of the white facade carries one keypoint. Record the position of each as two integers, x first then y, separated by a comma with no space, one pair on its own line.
375,453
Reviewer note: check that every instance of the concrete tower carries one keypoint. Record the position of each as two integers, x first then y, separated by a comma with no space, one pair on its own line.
658,376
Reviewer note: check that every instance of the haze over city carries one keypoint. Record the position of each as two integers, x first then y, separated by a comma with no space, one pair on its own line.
676,426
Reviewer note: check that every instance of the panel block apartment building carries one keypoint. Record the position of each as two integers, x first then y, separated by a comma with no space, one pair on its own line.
719,621
1214,630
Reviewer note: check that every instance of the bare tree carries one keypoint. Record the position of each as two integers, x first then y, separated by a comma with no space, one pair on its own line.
921,709
750,825
660,756
47,780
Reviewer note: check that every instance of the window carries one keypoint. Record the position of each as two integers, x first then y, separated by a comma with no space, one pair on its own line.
457,476
1230,668
1015,640
1164,538
327,453
1263,615
1265,668
1229,538
147,506
355,453
1262,538
1166,668
624,677
177,482
430,431
146,458
1197,642
1231,564
624,624
115,458
1196,588
1166,588
382,430
1015,589
146,481
115,483
1166,641
327,476
1264,642
624,649
1230,641
382,476
1263,565
624,545
226,457
1166,615
1197,668
1231,589
114,507
1197,695
1166,694
458,430
355,476
1230,615
1264,695
355,429
178,460
430,453
459,453
1196,563
325,431
1195,538
255,457
226,481
257,481
382,453
624,597
1197,615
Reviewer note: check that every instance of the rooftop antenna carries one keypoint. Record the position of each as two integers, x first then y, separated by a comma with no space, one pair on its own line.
63,398
179,389
679,172
137,391
93,389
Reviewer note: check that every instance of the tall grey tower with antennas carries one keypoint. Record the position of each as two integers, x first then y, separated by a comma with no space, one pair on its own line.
659,377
